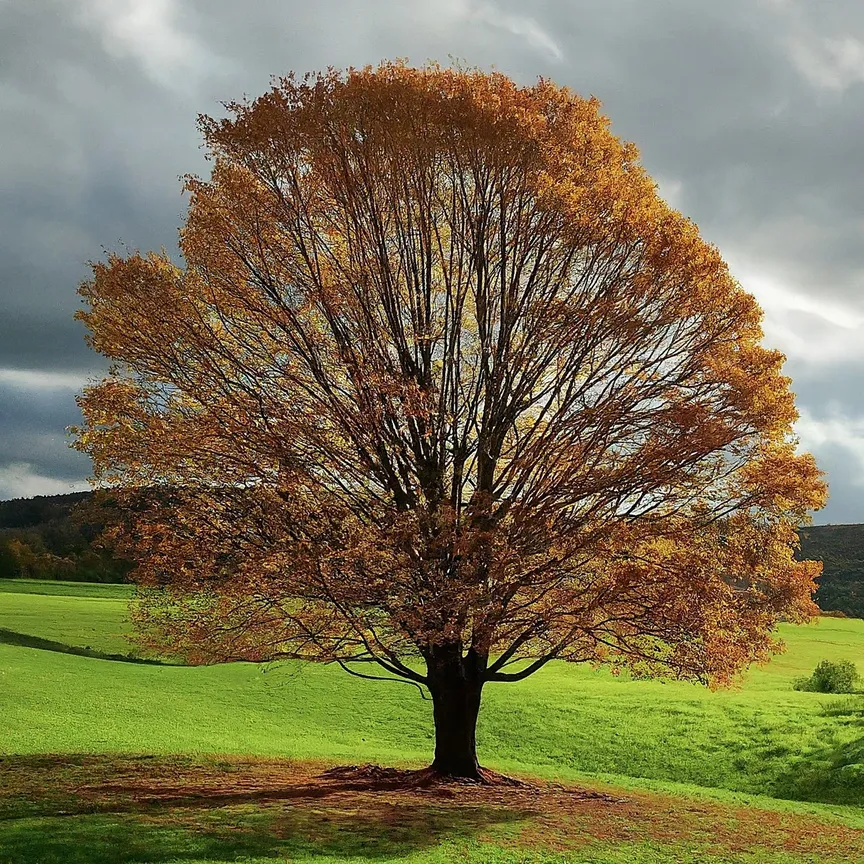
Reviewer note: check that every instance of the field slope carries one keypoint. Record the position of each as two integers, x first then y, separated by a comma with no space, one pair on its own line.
170,756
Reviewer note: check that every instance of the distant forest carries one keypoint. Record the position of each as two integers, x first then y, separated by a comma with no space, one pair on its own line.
52,537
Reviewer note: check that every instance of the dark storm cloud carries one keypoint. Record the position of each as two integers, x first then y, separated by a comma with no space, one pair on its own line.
43,341
747,112
36,458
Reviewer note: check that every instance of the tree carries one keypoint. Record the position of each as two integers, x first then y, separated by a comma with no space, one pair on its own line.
444,386
10,566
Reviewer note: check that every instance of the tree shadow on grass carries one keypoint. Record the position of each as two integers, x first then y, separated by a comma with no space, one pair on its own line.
373,831
24,640
833,771
90,809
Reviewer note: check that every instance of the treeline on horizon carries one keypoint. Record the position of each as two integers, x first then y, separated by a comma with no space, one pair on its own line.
55,537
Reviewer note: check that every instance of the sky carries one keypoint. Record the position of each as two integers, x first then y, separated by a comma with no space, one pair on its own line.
749,114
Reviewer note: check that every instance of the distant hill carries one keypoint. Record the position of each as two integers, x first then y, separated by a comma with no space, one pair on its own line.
41,538
33,512
841,550
45,538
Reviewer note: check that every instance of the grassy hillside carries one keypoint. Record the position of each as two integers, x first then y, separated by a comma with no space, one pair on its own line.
62,588
679,774
567,721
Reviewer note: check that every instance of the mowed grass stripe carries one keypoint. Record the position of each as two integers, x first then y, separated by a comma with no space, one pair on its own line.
58,587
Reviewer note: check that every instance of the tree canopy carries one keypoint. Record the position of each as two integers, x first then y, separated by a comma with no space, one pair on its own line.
445,386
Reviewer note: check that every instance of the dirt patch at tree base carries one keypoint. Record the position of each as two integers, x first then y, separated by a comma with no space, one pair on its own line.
372,777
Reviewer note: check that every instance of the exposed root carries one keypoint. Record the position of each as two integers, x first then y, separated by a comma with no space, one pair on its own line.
379,778
493,778
398,778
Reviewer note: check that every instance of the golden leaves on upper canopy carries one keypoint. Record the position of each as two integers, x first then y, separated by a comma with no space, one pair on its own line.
396,119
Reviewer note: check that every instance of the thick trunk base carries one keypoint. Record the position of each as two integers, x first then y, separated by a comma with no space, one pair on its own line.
462,765
456,685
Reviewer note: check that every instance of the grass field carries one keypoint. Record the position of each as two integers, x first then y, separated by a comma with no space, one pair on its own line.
672,751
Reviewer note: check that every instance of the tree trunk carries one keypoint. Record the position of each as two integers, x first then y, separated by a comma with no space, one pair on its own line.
456,684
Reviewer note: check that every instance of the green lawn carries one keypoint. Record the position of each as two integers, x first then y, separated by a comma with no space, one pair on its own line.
78,615
66,589
745,747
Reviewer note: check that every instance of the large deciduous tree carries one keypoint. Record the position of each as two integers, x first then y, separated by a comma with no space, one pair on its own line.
445,386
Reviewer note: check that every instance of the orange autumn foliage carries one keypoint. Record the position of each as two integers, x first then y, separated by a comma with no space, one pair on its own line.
444,381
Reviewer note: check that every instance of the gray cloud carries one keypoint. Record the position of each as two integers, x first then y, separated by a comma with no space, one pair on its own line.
748,113
35,458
